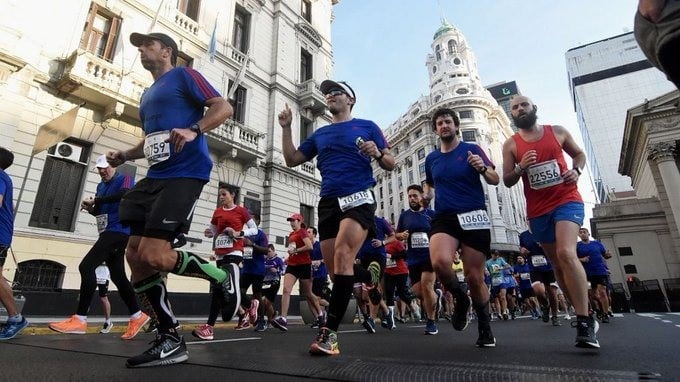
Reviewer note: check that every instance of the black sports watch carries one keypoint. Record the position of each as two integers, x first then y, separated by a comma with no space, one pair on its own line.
196,129
578,170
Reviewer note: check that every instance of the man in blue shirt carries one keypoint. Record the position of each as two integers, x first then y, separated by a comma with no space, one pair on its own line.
15,321
344,151
110,249
174,119
542,276
592,255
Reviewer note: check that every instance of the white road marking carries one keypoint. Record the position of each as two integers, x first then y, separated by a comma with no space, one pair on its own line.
219,341
667,321
352,331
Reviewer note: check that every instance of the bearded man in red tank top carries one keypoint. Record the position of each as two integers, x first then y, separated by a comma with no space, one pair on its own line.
554,206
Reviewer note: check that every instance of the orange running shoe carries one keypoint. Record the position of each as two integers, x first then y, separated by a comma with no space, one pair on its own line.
73,325
135,325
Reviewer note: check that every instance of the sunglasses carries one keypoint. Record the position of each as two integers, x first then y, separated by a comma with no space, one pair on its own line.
335,92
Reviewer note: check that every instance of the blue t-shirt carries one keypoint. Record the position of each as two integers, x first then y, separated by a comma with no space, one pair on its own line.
274,268
526,240
6,210
418,224
344,169
524,274
458,186
319,272
255,265
117,183
176,100
508,278
596,265
383,229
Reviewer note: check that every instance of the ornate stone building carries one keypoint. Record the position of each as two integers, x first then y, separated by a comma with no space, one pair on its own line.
455,84
70,92
642,231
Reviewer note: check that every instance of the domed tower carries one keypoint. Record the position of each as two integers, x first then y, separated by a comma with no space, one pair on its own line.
452,66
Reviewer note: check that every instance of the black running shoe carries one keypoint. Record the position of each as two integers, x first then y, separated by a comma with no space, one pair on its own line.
586,332
486,339
460,318
231,291
369,325
166,350
545,313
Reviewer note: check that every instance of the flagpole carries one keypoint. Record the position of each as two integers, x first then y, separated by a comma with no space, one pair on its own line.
23,185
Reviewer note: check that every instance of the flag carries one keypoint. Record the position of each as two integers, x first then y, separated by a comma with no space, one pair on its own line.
212,47
55,130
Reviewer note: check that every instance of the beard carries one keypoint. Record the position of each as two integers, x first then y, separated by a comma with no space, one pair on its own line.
525,121
414,206
447,138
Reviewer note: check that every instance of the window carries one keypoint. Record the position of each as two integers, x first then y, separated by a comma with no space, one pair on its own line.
465,114
39,275
625,251
457,61
630,268
189,8
391,201
434,69
469,136
306,128
306,10
57,200
421,153
389,188
437,50
396,150
418,133
305,65
452,46
239,39
421,168
184,60
308,214
239,103
252,205
382,194
399,184
410,176
100,32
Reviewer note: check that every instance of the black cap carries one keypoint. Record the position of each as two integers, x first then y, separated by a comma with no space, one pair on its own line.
137,39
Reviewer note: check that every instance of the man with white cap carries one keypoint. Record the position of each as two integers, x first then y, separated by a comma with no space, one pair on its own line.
176,112
344,151
109,249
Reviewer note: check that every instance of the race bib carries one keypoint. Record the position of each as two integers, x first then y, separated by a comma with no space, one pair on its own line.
356,199
461,277
539,261
247,253
477,219
224,241
544,175
156,149
525,276
102,222
419,240
390,262
496,281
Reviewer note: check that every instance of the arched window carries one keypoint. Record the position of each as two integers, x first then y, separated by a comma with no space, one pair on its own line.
453,47
39,275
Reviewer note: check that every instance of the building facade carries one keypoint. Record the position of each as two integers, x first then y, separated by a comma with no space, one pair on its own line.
643,231
455,84
606,78
503,92
70,92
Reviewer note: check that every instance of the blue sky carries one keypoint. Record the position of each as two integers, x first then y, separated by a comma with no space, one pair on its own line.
380,46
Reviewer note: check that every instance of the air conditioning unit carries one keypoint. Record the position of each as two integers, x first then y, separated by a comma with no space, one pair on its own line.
68,151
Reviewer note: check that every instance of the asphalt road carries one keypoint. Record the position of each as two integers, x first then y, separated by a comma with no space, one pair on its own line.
634,347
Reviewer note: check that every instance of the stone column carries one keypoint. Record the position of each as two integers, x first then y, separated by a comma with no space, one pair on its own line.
663,154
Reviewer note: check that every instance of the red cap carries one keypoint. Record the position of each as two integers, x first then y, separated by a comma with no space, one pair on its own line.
296,217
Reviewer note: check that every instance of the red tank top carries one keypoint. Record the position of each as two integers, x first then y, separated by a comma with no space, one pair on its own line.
546,194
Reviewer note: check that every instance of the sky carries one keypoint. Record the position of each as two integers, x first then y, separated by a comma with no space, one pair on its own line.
380,47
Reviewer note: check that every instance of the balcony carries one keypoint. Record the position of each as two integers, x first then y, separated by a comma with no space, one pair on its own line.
236,140
236,55
102,83
310,97
186,23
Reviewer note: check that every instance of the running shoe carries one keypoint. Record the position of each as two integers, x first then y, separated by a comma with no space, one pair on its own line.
135,325
243,323
231,292
545,313
11,329
261,325
389,320
369,325
431,328
73,325
374,269
280,323
108,325
252,312
461,319
586,332
486,338
506,316
204,332
167,349
555,321
326,343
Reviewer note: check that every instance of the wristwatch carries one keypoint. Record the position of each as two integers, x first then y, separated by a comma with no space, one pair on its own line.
196,129
483,170
578,170
518,169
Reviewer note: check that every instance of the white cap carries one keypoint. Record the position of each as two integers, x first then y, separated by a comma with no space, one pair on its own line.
102,162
